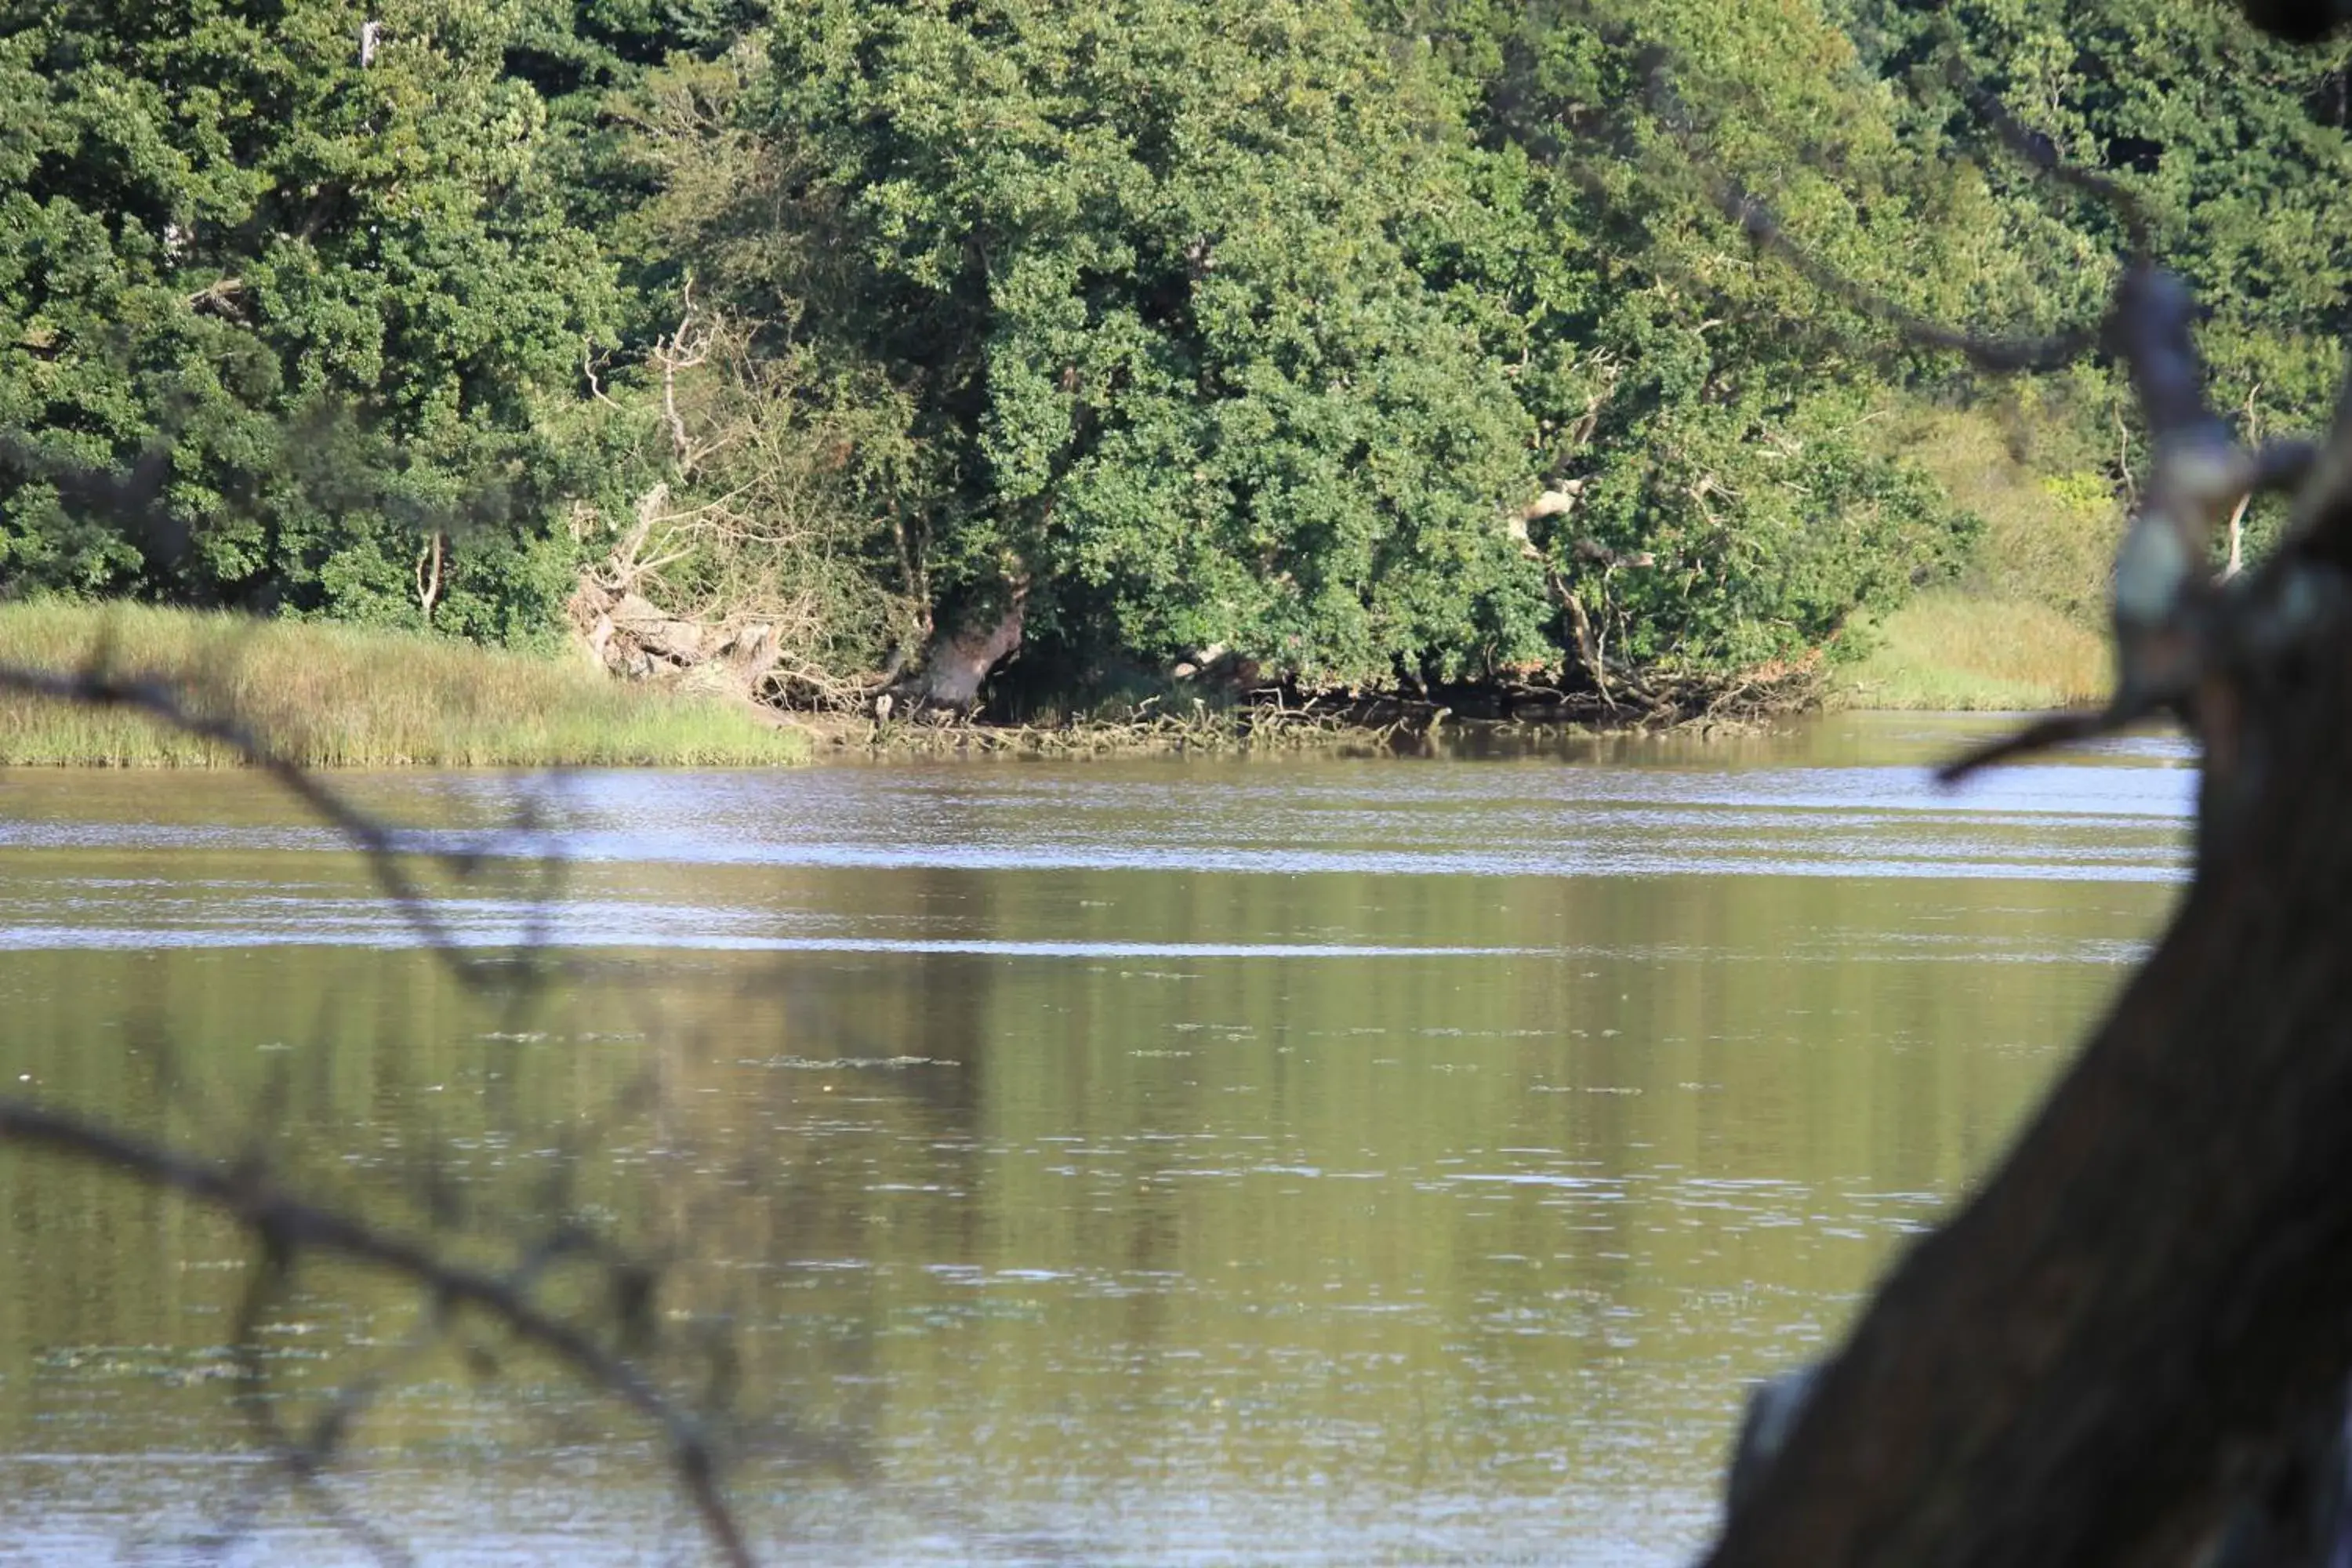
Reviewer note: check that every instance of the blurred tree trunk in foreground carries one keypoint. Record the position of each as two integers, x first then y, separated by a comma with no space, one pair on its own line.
2127,1340
2135,1320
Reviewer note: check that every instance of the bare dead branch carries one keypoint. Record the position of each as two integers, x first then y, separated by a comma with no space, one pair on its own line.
589,360
428,573
681,349
287,1225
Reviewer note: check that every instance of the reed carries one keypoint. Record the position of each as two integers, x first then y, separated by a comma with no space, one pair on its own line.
339,697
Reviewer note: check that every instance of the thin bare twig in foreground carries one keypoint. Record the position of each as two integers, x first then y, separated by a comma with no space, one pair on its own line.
1757,221
286,1224
2051,730
2040,154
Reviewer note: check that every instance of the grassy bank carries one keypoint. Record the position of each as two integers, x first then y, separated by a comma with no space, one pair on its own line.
2022,628
1949,650
341,698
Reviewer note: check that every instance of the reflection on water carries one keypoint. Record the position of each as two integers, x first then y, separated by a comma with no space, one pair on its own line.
1299,1161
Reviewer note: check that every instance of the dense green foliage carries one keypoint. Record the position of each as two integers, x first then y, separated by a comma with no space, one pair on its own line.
322,303
1144,259
1364,341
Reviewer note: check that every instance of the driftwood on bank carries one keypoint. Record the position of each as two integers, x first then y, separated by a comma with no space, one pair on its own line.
629,635
632,636
2138,1321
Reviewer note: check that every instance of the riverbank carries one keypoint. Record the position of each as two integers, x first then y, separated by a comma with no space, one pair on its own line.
1949,651
339,697
1139,729
1183,720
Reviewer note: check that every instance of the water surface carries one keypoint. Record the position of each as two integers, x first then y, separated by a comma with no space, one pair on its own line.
1284,1160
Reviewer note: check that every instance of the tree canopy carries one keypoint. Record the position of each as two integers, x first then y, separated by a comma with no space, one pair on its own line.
1364,341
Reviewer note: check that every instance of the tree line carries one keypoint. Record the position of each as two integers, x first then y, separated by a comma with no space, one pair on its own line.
1348,344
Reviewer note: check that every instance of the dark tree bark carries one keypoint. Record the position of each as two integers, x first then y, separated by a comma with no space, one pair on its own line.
2154,1294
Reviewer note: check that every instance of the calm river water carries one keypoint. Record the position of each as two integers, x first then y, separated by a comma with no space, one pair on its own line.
1296,1161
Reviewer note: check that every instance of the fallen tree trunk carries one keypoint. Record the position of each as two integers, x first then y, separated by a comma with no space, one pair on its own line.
957,664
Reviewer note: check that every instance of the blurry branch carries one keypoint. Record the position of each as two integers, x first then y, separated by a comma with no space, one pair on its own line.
134,495
2165,600
2003,355
285,1227
1762,226
2041,154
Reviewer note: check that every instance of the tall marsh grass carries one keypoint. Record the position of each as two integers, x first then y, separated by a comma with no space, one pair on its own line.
1950,650
336,697
2025,625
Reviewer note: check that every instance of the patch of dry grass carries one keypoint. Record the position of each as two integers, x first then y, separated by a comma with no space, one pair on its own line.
1949,650
337,697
